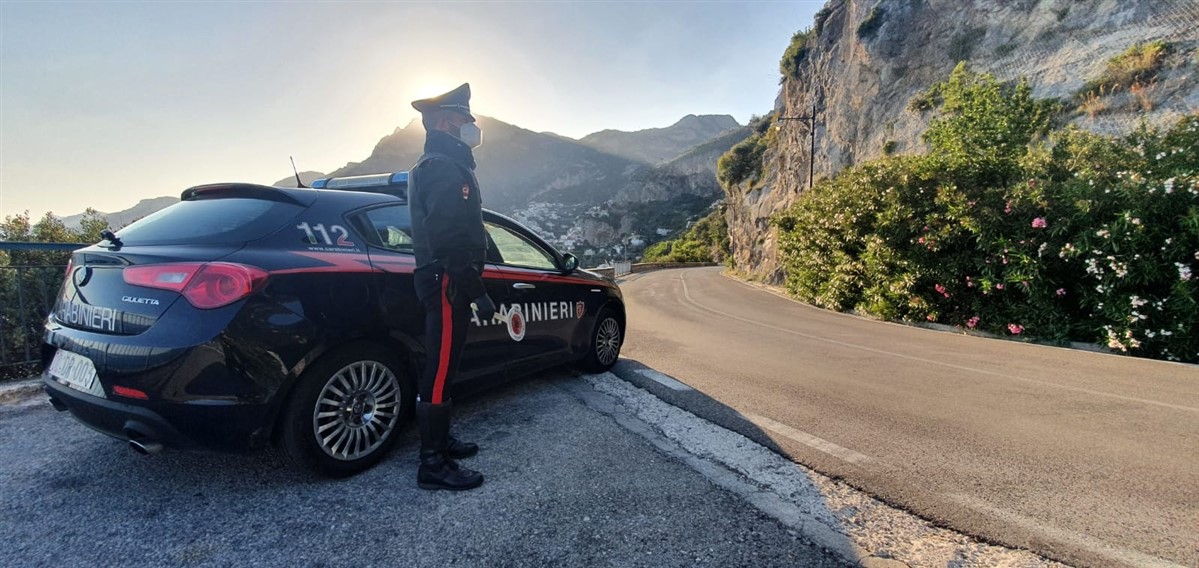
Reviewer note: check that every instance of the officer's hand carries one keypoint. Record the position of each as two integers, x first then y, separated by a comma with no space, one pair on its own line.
484,307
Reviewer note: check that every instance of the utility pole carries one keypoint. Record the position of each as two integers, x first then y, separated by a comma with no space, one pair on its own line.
811,120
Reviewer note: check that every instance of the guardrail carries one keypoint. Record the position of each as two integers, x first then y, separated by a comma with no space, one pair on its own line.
30,277
618,270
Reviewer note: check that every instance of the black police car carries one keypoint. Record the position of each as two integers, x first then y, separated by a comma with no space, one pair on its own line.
245,315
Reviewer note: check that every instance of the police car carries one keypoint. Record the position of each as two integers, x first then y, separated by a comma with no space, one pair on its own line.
247,315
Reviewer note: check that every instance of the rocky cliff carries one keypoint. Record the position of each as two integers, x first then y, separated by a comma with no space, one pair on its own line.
863,62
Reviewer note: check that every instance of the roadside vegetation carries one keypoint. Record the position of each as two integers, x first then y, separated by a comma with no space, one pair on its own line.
706,241
795,54
30,281
1012,226
743,162
1134,71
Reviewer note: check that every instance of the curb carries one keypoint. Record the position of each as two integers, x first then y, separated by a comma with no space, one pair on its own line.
16,391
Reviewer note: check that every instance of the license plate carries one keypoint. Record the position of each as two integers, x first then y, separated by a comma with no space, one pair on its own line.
74,370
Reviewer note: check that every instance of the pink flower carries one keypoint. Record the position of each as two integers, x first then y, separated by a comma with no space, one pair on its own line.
931,317
1039,223
941,290
999,286
1061,292
1015,328
920,240
1008,207
973,322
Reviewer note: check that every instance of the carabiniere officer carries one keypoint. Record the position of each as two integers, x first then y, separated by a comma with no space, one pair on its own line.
450,243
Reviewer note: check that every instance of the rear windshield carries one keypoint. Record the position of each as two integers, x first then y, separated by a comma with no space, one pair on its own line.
210,221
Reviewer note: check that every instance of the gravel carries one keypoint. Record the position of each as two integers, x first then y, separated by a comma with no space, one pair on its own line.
568,484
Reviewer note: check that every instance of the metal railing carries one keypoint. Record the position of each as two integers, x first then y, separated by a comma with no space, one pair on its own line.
31,276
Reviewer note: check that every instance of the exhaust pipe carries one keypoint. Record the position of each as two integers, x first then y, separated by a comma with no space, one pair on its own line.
58,404
145,448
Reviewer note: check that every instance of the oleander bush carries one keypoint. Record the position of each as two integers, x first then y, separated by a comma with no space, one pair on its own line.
1010,226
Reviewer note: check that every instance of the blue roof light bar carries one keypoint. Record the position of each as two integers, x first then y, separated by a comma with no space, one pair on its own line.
358,182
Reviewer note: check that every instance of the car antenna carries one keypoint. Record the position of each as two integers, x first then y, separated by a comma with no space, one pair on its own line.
293,168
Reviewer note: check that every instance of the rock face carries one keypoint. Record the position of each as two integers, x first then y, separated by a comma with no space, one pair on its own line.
656,145
868,59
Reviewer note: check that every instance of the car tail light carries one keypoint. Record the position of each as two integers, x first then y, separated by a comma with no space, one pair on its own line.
206,285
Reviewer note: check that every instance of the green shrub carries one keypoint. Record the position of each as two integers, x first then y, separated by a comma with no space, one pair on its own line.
743,162
1083,238
30,281
1136,65
795,54
873,21
821,17
706,241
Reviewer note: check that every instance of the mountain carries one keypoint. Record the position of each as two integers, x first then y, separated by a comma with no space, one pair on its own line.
515,166
656,145
306,176
862,64
578,197
121,218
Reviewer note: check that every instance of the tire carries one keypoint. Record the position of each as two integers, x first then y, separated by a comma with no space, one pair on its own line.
606,338
374,398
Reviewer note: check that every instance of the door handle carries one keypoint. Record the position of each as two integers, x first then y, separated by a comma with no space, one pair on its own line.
523,286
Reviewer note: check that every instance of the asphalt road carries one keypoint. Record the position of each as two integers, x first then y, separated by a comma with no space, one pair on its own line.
567,485
1088,458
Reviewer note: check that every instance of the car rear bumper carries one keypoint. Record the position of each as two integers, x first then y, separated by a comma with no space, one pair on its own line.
201,425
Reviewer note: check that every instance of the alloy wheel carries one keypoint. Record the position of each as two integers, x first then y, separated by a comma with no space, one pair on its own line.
357,410
607,341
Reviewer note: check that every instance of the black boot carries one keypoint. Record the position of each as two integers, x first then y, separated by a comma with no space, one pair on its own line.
437,470
459,449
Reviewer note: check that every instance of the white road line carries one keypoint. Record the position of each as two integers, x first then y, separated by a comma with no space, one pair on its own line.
1107,550
663,380
809,440
687,294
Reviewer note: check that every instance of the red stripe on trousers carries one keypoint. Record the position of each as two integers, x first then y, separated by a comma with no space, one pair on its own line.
447,339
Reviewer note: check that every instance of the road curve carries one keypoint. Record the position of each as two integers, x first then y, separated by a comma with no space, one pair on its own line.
1088,458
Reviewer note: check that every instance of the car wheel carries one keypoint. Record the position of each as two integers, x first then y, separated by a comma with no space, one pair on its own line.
347,410
606,338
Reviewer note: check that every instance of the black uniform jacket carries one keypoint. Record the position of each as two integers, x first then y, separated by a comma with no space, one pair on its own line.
447,212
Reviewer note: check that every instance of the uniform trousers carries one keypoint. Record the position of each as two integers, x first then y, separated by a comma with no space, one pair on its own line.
447,313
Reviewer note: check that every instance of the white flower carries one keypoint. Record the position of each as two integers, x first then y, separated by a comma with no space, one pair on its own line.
1184,271
1102,233
1137,302
1169,185
1136,221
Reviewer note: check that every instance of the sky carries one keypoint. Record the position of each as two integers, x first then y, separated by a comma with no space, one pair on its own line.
103,104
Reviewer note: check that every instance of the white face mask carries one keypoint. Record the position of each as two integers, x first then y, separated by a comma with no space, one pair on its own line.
471,135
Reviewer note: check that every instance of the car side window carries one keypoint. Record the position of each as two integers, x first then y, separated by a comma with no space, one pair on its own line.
392,227
517,250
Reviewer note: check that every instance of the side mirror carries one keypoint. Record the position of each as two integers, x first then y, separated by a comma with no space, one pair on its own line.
570,263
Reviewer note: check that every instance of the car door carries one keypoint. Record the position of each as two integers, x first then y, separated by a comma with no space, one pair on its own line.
536,288
389,230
